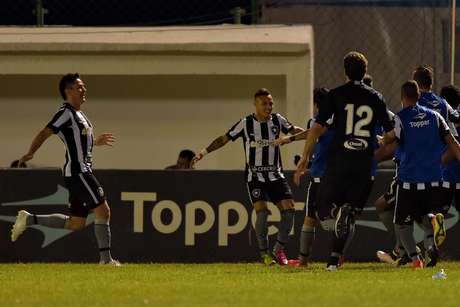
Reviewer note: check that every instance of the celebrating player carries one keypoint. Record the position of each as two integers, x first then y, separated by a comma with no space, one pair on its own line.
264,173
357,110
422,135
85,193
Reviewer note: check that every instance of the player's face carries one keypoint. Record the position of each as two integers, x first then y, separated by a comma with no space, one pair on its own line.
264,105
77,92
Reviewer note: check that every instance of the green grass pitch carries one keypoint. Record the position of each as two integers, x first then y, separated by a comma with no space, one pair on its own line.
358,284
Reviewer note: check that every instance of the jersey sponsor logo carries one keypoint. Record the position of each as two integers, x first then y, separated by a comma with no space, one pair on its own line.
356,144
420,121
434,103
269,168
275,130
420,116
260,143
256,193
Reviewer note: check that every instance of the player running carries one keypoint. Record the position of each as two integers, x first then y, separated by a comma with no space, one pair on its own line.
422,135
264,173
357,110
318,164
85,193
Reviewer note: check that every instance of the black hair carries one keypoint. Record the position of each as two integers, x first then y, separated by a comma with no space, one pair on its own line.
355,65
187,154
451,93
424,75
66,81
319,96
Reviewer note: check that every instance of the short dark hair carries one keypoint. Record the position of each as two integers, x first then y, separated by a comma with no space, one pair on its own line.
261,92
66,81
424,76
451,93
410,90
368,80
355,65
15,164
319,95
187,154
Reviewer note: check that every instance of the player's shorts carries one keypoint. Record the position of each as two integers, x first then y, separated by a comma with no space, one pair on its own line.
390,194
85,193
273,191
343,185
310,203
413,201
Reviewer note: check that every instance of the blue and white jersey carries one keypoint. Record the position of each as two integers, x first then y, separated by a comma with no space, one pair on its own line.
378,131
433,102
451,171
421,133
320,152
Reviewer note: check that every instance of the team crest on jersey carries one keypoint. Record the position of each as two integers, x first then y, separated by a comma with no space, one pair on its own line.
275,130
356,144
100,191
256,193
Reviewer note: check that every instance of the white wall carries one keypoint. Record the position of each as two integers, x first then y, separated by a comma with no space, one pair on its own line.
153,117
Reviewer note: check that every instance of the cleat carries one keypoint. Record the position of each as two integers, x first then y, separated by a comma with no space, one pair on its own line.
387,258
297,263
332,268
418,264
20,225
280,257
267,258
112,262
341,261
432,257
343,222
439,229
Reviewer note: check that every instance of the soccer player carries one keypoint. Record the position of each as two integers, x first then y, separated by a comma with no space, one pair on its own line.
422,135
264,173
357,111
451,171
318,164
85,193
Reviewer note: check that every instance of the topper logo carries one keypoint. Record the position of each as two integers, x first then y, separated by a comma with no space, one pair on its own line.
356,144
420,116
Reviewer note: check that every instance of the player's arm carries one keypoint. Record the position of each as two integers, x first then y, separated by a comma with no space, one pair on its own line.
215,145
37,142
453,150
453,115
105,139
385,152
312,137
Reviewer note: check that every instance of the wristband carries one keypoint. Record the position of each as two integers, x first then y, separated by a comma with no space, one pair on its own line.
204,152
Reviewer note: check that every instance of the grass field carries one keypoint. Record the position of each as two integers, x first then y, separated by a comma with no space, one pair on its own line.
364,284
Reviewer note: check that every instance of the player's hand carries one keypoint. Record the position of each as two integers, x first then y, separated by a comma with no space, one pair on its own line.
25,158
105,139
197,158
300,171
281,141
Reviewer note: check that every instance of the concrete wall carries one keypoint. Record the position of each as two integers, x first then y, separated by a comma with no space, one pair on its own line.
158,90
153,117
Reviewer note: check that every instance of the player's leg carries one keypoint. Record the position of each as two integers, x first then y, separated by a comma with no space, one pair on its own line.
407,201
280,193
77,220
95,200
307,235
259,199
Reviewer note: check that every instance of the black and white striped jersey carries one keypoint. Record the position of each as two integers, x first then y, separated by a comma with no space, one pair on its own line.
76,132
263,160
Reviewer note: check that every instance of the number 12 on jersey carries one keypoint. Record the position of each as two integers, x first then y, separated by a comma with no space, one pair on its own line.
365,115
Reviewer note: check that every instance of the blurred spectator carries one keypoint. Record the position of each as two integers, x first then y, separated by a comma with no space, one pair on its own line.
184,161
15,164
451,93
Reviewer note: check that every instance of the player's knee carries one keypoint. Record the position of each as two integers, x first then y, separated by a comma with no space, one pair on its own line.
309,222
76,224
381,205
